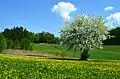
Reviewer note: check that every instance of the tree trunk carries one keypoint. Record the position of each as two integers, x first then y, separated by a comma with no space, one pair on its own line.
84,54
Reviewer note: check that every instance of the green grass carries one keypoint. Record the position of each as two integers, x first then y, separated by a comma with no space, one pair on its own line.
109,52
54,49
21,67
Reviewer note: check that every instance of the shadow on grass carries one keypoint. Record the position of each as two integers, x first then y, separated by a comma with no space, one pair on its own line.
89,60
64,58
56,58
73,59
37,55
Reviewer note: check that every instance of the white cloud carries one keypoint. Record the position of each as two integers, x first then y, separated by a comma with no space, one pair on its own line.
64,9
113,20
109,8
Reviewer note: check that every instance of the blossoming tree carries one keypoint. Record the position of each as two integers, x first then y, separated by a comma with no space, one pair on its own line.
84,33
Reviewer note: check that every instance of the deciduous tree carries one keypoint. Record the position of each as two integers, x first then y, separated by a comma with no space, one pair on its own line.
84,33
3,44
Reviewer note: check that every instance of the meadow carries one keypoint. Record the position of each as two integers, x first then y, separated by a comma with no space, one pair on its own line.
102,64
24,67
109,52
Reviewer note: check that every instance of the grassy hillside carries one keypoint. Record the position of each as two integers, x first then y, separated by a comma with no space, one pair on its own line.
21,67
111,52
53,49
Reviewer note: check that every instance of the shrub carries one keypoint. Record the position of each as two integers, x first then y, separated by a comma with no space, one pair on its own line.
3,44
31,48
25,44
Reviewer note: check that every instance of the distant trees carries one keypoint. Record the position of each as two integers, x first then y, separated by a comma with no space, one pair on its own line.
17,33
3,43
15,36
46,37
16,44
115,40
57,40
25,44
9,44
20,38
83,33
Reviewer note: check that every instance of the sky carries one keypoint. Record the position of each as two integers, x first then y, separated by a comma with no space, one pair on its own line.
50,15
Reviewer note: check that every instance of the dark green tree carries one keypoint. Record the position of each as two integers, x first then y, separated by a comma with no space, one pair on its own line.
3,43
36,38
18,33
25,44
115,40
16,44
9,44
57,40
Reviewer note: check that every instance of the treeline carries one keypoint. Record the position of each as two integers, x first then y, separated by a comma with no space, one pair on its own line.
115,39
18,33
45,37
21,38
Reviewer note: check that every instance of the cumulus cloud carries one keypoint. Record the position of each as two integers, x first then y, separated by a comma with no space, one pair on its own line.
109,8
114,19
64,9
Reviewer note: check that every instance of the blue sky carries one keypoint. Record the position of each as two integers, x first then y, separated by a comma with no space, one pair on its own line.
38,15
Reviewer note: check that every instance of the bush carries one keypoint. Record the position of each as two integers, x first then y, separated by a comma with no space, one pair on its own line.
3,43
31,48
9,44
25,44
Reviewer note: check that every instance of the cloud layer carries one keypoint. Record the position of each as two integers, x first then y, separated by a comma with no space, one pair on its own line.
64,9
114,19
109,8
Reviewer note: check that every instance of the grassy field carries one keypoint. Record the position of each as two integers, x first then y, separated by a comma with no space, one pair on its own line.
109,52
21,67
53,49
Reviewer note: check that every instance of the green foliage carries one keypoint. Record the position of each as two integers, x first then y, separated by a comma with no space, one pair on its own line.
18,67
46,37
115,40
25,43
31,48
36,38
57,40
18,33
3,43
9,44
16,44
84,33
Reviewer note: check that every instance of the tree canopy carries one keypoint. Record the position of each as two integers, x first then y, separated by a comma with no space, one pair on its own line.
115,40
15,36
83,33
